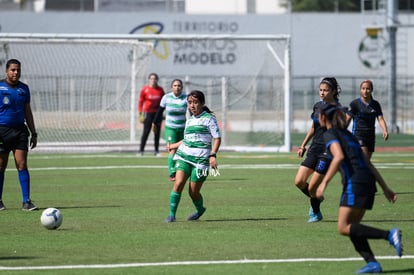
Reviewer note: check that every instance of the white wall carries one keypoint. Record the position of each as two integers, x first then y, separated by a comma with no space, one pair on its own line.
215,6
269,7
231,7
322,44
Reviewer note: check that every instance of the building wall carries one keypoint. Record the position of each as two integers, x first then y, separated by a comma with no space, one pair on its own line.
322,44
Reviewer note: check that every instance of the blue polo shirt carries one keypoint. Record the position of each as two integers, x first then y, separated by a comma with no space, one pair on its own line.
12,103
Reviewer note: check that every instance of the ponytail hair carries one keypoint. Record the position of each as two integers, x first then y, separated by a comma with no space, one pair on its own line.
331,82
336,115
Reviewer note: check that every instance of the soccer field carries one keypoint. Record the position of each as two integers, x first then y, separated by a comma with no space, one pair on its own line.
114,206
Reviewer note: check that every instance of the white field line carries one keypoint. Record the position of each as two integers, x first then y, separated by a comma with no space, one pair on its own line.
224,166
227,156
182,263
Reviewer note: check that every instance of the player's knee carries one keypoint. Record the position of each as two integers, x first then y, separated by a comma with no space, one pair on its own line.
300,182
343,230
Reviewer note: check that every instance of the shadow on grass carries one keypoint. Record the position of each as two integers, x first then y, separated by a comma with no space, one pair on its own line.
247,219
380,221
408,271
84,207
379,194
4,258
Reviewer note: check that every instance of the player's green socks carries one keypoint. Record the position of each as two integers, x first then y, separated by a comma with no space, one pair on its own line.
171,164
199,205
174,201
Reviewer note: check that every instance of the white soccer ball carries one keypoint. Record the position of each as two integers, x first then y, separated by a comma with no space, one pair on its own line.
51,218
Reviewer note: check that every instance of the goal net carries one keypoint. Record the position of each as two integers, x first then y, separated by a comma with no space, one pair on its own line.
85,88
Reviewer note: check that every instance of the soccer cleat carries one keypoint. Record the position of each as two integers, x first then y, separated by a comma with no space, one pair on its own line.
395,239
314,217
170,219
29,206
196,215
371,267
2,206
171,177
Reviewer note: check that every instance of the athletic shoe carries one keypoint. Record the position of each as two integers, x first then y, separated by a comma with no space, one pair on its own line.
394,237
2,206
314,217
196,215
29,206
171,177
371,267
170,219
157,154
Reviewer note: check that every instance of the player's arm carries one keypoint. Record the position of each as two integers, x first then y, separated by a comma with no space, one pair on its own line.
348,117
308,137
174,146
31,125
158,115
141,100
213,154
383,125
388,193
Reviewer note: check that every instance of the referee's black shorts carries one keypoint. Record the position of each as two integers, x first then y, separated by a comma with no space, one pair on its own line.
12,138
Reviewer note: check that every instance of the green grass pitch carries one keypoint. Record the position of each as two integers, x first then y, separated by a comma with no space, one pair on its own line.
114,206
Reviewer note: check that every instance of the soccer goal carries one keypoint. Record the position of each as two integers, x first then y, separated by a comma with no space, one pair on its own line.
85,88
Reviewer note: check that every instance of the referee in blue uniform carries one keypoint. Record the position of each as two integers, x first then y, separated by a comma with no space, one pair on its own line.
16,119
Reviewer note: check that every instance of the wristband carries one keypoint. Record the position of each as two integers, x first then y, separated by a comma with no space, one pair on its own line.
213,155
34,135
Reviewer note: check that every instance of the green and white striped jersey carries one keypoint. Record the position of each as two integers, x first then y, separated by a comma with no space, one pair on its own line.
198,137
175,110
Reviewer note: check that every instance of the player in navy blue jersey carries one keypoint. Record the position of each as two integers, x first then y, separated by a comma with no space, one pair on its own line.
359,188
365,110
316,163
16,119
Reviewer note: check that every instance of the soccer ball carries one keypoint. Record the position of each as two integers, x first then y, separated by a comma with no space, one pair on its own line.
51,218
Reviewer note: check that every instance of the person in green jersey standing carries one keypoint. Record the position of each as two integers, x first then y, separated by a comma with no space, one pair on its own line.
175,106
196,154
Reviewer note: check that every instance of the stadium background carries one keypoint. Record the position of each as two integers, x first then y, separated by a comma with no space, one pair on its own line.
323,44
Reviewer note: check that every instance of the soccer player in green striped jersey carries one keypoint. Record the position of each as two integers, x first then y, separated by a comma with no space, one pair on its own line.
175,106
195,155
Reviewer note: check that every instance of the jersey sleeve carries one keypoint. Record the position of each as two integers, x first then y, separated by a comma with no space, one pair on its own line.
353,108
141,100
214,128
378,109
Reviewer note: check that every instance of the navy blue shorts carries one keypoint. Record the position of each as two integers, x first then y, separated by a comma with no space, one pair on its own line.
366,140
317,161
357,201
14,138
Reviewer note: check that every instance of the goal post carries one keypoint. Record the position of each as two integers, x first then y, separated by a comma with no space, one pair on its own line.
85,87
